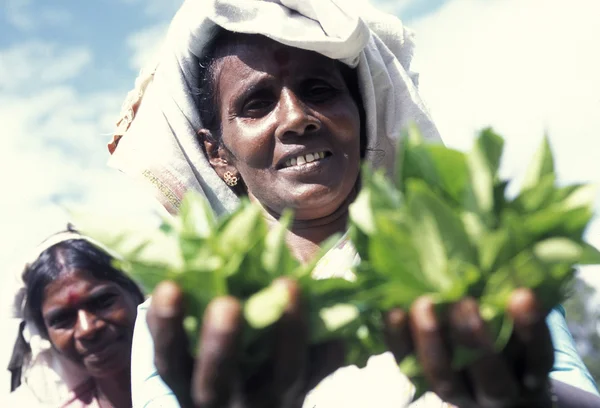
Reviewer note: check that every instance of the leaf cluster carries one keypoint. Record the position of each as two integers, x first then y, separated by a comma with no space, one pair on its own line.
445,227
236,255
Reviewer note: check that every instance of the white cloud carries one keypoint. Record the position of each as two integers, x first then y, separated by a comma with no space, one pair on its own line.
525,67
38,63
53,148
26,16
157,8
145,43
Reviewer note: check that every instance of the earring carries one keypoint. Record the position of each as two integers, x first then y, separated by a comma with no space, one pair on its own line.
230,179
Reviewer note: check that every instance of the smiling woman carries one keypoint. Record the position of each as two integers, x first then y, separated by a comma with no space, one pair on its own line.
284,117
79,313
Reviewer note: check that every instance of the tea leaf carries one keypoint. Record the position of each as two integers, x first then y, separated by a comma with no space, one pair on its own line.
266,306
542,165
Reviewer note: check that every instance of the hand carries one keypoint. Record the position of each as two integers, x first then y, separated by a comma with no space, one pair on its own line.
517,377
213,380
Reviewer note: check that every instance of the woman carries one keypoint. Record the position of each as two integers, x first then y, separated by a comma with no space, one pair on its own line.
74,344
285,117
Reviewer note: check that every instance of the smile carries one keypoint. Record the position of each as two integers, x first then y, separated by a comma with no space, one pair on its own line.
305,158
104,350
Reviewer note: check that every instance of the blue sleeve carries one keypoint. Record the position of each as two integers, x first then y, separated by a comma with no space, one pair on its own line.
147,388
568,366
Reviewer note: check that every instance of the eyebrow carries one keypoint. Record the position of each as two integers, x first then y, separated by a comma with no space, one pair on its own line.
253,87
318,72
95,293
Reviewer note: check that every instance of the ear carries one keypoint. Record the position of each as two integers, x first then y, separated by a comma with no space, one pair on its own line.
217,155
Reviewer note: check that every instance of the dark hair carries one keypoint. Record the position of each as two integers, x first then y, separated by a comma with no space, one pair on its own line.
65,257
206,97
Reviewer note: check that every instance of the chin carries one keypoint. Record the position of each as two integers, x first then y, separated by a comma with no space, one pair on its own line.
320,203
109,366
107,369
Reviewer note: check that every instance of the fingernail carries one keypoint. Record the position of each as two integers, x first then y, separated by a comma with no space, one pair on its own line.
166,300
395,318
224,313
523,305
424,310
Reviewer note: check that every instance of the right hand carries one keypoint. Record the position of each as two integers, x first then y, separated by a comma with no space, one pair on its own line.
213,380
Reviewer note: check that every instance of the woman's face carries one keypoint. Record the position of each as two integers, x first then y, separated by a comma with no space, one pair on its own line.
289,125
90,321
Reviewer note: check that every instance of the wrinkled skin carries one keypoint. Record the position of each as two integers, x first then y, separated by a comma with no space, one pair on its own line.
303,105
276,102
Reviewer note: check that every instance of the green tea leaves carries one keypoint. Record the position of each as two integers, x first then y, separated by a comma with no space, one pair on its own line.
457,234
444,227
266,307
542,165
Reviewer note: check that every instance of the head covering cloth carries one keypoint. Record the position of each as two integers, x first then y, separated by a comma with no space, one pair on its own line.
156,137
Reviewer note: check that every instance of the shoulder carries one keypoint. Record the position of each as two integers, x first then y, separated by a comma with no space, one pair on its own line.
568,365
147,388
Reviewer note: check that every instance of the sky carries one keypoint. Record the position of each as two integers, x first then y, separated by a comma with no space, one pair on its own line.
525,67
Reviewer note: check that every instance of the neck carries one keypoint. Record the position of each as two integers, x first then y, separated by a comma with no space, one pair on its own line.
116,389
306,236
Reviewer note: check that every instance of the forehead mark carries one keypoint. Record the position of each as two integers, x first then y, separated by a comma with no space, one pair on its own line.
72,297
282,58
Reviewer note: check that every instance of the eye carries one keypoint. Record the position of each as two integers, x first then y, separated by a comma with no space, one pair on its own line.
103,301
62,320
256,107
258,104
321,91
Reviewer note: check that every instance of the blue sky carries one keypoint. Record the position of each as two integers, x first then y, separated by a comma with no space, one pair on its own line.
523,66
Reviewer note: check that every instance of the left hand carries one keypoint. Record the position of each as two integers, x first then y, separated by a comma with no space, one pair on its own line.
516,377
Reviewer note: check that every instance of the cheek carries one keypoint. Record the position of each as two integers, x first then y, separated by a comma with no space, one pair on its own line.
61,340
345,124
251,142
124,314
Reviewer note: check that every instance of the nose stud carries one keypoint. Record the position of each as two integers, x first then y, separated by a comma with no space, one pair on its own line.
230,179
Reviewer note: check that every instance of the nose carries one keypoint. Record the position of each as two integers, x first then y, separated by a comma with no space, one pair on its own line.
88,325
295,118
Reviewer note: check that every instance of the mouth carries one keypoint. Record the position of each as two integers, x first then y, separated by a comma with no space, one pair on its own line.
102,351
301,160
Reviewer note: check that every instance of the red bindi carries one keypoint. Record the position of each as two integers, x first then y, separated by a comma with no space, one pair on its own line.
282,58
72,298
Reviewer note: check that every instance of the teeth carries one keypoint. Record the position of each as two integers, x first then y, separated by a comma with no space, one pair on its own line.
308,158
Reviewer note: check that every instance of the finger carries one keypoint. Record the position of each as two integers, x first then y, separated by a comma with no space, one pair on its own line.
291,346
433,352
531,330
397,333
324,360
165,322
492,383
216,369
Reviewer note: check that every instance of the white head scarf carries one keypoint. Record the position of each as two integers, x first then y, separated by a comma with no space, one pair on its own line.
157,139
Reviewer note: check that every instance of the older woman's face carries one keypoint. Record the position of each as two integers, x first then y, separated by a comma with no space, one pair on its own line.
290,125
90,321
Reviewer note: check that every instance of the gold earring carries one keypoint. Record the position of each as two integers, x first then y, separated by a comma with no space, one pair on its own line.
230,179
